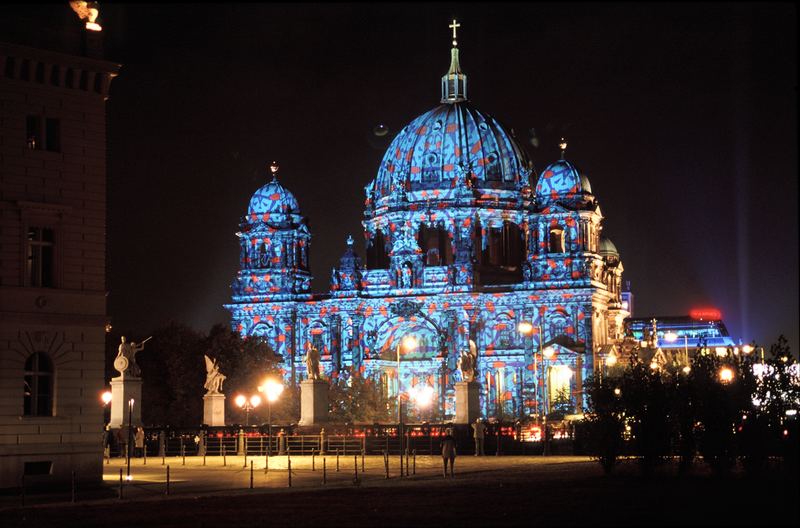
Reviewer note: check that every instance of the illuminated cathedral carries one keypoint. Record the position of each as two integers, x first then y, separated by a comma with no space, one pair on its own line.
463,242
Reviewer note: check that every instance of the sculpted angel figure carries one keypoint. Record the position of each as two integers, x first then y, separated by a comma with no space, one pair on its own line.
214,377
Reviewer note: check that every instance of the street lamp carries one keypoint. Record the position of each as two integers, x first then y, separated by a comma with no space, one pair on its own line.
409,343
128,448
726,375
248,404
422,395
273,390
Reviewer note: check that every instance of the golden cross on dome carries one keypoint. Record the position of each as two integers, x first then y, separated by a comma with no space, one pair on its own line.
454,26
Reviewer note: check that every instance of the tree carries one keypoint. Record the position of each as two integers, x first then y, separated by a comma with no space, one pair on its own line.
604,422
360,399
246,362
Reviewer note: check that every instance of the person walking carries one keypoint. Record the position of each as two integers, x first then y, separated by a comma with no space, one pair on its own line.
448,451
479,431
138,442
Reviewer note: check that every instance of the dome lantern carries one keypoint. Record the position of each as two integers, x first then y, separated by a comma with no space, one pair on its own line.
454,82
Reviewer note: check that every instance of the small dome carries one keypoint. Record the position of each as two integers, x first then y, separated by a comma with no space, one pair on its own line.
607,248
272,198
562,181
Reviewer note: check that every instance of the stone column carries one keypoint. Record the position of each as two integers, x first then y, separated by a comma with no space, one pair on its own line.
467,402
214,409
123,389
313,402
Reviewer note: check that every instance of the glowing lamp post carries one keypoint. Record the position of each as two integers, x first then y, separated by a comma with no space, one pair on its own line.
726,375
272,389
247,404
422,396
408,343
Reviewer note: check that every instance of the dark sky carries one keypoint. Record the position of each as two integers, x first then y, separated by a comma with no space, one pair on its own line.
683,115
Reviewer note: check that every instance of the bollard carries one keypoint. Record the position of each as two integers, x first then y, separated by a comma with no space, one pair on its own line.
355,468
266,461
144,455
289,472
362,460
204,458
163,457
386,463
415,461
183,452
324,471
245,459
251,474
407,473
166,490
73,486
313,467
337,460
120,484
224,456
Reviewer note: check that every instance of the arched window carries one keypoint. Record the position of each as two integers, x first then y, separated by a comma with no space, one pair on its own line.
377,256
435,245
38,385
556,240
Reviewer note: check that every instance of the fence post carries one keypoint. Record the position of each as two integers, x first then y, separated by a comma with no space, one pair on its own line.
386,462
324,471
266,461
120,484
73,486
183,452
224,456
337,460
415,461
407,473
166,490
251,474
204,458
362,460
144,454
289,467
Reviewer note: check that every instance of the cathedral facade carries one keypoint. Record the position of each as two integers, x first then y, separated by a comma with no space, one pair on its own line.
463,243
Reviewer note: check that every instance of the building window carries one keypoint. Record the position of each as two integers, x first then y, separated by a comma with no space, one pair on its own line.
43,133
40,264
38,385
556,240
560,390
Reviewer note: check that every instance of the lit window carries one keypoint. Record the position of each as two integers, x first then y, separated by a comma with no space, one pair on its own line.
38,385
40,264
560,387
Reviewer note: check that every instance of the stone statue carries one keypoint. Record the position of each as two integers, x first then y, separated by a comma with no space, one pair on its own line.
214,377
312,361
125,361
468,362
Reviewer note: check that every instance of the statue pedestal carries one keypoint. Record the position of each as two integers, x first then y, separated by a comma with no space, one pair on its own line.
313,402
123,389
214,409
467,402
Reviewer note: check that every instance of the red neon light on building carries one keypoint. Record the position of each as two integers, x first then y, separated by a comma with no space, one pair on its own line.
709,314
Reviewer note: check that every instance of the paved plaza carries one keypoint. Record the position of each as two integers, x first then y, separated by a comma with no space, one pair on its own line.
505,490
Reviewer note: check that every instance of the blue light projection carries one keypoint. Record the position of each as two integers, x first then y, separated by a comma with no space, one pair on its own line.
459,247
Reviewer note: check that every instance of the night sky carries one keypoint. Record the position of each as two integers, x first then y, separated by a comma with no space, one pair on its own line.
684,117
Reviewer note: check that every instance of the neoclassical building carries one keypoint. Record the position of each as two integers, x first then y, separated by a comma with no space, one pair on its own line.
463,242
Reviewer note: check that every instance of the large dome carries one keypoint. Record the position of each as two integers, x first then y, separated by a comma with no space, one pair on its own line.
438,148
272,198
